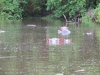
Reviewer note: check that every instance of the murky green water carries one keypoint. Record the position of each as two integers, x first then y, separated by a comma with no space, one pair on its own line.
24,49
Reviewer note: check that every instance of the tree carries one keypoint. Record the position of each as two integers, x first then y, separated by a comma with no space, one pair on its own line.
69,7
10,9
33,7
97,13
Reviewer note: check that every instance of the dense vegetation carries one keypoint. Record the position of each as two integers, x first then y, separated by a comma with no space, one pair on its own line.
17,9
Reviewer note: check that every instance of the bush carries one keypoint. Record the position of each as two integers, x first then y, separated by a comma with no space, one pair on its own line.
97,13
10,9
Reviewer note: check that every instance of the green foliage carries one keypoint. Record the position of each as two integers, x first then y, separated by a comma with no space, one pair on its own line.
33,7
62,7
97,2
10,10
97,13
87,22
2,1
98,17
16,9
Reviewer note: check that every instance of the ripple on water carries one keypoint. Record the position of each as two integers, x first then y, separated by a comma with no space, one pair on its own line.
2,57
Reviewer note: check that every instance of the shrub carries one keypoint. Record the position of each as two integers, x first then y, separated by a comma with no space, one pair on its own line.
97,13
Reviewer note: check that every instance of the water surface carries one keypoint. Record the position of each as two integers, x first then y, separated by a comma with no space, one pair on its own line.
24,49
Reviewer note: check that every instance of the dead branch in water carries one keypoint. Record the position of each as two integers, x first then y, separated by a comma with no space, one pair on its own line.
67,22
65,17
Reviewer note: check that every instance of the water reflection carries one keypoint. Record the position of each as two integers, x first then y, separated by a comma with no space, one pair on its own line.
25,49
58,41
1,31
63,32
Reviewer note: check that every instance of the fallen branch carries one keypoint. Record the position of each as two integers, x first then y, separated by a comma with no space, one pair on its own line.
65,17
67,22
